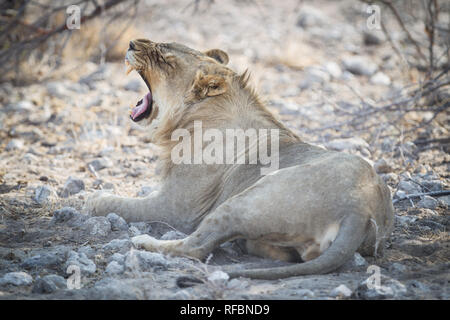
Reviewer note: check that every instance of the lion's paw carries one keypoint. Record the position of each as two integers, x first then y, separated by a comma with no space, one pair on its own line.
96,201
144,241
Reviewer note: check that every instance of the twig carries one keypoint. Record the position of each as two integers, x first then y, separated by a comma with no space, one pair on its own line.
417,195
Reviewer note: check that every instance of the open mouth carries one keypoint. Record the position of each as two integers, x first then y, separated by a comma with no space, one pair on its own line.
143,108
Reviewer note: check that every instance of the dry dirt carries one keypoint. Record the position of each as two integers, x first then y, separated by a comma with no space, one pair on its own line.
54,129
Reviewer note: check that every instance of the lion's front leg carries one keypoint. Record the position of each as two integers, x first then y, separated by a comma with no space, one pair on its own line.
101,203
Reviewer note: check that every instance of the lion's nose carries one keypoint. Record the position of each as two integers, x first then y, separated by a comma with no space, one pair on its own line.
132,46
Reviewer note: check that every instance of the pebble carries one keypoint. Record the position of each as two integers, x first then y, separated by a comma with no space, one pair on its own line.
97,226
139,260
218,277
82,261
373,37
14,144
67,214
71,187
428,202
389,289
122,245
310,17
41,194
145,191
305,293
408,186
341,291
333,69
114,268
117,222
17,279
359,65
46,258
43,286
100,163
380,78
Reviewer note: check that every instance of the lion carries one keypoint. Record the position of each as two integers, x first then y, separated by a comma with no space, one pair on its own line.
317,208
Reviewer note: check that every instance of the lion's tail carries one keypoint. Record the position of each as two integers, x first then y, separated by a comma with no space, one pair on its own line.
352,233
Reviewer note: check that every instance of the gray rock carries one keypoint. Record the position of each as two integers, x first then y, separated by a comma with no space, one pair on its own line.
218,277
42,194
173,235
47,260
304,293
398,268
71,187
121,245
139,260
309,17
409,187
341,291
314,75
428,202
333,69
82,261
114,268
237,284
21,106
134,231
416,248
357,262
142,227
14,144
359,65
43,286
388,289
100,163
97,226
114,289
16,278
67,215
118,257
405,221
57,89
117,222
88,251
380,78
373,37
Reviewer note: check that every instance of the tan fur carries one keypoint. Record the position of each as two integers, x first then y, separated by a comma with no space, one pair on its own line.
319,205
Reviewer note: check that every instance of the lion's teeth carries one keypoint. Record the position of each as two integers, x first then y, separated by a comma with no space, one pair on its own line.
129,69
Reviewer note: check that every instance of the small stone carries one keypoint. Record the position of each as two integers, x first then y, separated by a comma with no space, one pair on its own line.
139,260
71,187
381,166
14,144
41,194
397,267
43,286
408,186
118,257
333,69
142,227
310,17
173,235
97,226
117,222
428,202
114,268
118,245
134,231
82,261
67,214
380,78
88,251
405,221
341,291
237,284
100,163
372,37
359,65
17,279
218,277
304,293
388,289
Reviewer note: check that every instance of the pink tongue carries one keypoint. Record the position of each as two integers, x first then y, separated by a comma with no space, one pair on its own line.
140,109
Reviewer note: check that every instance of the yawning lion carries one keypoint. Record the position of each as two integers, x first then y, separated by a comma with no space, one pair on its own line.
319,207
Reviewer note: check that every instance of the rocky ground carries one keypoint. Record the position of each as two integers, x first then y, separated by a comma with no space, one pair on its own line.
315,63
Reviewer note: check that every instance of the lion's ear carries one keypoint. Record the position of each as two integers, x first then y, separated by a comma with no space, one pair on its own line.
219,55
206,85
